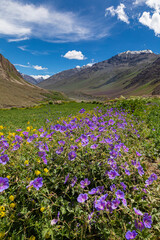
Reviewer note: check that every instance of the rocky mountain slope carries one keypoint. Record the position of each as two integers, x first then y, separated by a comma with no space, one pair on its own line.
14,90
110,78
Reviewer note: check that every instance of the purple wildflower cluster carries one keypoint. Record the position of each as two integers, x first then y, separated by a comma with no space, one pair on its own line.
84,152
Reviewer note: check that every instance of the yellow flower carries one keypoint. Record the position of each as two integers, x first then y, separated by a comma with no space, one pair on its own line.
28,122
42,209
8,177
32,238
46,170
37,172
26,162
1,127
2,214
1,134
38,160
28,129
2,208
12,205
11,198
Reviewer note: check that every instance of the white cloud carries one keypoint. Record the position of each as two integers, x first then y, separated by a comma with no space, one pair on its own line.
18,39
39,68
153,4
18,19
23,48
21,65
119,11
78,55
9,28
36,67
139,2
151,21
40,76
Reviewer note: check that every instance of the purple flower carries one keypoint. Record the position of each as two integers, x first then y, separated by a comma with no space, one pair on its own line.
139,225
100,189
82,197
140,170
73,182
82,110
127,172
93,191
131,235
111,122
84,183
4,159
150,180
36,183
94,146
72,155
147,220
16,147
112,174
113,187
54,221
42,154
109,206
59,150
66,178
61,142
90,215
100,205
119,194
124,202
153,177
4,184
115,203
123,185
138,212
138,154
103,197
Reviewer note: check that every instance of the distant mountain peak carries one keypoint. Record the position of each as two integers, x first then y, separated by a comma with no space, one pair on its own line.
136,52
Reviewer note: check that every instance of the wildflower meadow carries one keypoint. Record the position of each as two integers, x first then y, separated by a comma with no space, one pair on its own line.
85,176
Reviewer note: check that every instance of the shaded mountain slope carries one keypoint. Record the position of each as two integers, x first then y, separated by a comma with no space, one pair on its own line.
14,90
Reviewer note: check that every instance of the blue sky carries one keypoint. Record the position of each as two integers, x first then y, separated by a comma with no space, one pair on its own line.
45,37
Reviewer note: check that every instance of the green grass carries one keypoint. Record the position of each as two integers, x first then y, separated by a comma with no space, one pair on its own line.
19,117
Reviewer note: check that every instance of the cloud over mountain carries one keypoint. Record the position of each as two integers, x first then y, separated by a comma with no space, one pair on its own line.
78,55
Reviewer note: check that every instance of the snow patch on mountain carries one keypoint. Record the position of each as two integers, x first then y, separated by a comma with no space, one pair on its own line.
136,52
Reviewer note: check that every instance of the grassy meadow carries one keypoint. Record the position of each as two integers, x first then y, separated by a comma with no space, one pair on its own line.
81,171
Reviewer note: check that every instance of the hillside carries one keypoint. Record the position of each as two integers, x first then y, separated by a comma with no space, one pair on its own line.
14,90
110,78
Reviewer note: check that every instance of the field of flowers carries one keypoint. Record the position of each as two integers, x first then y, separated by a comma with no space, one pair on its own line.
86,176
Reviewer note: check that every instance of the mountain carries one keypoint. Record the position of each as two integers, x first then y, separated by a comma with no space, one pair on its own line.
14,90
110,78
32,80
29,79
